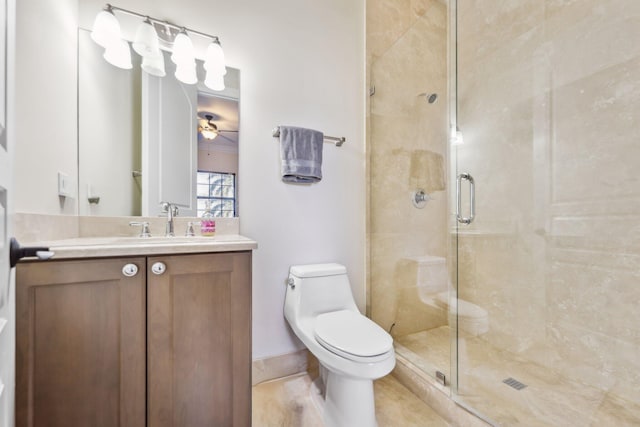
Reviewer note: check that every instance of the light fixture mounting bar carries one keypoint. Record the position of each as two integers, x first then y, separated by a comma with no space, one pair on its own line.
160,21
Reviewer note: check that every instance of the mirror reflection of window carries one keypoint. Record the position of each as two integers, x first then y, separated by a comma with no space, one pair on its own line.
218,131
216,193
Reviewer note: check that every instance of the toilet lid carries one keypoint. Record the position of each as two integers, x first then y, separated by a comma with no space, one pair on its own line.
346,331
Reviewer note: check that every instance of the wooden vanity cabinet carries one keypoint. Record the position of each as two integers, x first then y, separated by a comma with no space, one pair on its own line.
80,343
97,348
199,341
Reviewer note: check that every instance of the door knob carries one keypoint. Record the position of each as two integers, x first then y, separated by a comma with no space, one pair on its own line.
17,252
158,268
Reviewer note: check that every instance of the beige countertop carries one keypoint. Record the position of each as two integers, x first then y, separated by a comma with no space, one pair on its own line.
97,247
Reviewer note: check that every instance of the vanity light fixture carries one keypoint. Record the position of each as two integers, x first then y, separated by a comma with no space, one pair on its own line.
214,66
146,41
183,52
118,54
106,32
214,82
106,28
154,64
186,73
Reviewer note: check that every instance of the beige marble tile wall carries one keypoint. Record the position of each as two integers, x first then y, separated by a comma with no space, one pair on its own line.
407,56
549,94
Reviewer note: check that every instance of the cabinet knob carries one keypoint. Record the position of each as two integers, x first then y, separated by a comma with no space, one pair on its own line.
130,270
158,268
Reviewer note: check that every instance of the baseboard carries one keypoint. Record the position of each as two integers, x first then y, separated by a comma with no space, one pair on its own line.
280,366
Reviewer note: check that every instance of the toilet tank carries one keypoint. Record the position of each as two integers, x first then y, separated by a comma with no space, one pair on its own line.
318,288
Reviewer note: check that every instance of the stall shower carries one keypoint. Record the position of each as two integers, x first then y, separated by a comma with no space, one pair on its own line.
516,283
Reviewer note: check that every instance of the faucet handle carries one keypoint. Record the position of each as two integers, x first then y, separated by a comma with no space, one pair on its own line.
144,232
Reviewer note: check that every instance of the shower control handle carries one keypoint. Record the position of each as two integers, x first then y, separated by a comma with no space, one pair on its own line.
472,199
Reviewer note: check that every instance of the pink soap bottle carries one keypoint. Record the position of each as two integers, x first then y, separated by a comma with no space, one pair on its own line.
207,223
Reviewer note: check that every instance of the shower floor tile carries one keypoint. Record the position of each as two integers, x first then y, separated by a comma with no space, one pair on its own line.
548,400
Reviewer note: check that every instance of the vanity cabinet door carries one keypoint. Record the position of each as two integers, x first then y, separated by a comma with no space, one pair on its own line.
199,340
80,328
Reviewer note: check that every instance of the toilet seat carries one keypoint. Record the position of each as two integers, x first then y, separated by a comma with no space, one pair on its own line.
352,336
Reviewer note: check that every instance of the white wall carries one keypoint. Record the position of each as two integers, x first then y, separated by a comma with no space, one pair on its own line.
302,63
46,104
217,161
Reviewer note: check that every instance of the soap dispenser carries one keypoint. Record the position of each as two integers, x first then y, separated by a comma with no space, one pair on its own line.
207,223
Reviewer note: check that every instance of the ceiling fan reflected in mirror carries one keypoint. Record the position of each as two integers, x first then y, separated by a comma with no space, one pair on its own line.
209,130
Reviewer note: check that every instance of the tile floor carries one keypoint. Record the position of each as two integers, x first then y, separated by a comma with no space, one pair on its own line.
288,402
548,400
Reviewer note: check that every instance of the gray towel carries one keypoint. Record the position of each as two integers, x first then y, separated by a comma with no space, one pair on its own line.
301,153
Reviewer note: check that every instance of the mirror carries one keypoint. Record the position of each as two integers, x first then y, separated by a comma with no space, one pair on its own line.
144,139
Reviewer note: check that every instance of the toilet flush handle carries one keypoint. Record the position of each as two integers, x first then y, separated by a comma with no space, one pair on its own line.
291,283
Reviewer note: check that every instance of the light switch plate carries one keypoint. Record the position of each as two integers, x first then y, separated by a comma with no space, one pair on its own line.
64,185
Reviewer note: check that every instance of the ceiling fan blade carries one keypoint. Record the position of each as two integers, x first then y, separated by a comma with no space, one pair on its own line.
227,138
234,131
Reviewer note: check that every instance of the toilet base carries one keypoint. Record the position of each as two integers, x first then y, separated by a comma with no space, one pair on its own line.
348,401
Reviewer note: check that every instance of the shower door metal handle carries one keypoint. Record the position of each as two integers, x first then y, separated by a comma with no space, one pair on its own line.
472,199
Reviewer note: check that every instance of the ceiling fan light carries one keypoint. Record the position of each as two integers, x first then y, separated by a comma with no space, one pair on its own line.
214,81
183,52
106,29
146,40
209,134
154,64
118,54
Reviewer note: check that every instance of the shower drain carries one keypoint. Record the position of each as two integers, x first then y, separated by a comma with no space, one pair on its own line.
514,383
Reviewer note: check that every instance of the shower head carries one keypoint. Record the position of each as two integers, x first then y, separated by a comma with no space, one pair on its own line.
430,97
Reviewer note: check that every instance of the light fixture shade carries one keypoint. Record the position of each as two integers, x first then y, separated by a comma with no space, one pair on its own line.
146,41
186,73
183,52
214,60
154,64
119,55
214,81
209,134
106,29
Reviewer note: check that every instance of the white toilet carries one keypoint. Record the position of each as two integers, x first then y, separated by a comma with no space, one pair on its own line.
432,282
352,350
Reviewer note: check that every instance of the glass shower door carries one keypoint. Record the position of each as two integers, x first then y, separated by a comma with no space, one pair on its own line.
548,202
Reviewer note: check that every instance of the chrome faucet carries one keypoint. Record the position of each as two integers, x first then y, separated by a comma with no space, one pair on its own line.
172,211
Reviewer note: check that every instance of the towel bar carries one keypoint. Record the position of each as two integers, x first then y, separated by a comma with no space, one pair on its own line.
339,141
